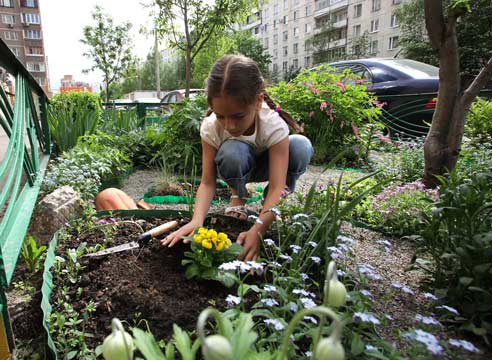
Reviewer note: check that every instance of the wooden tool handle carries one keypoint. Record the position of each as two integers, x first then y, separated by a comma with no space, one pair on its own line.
162,228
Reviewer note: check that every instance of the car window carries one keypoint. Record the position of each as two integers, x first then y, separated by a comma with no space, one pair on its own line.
357,69
172,98
415,69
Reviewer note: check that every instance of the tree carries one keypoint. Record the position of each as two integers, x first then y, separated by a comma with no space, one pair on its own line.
473,28
442,145
246,44
109,48
191,23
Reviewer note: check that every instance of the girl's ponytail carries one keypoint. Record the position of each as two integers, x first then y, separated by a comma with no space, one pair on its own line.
293,125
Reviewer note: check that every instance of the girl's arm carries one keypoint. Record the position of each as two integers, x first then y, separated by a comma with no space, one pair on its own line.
278,158
204,196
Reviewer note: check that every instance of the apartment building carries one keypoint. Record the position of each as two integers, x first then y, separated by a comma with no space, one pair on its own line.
68,83
21,29
300,33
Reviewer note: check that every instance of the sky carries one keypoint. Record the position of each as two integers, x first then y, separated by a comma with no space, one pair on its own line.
63,22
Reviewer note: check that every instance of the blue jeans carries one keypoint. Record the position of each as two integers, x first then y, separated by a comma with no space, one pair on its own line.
237,165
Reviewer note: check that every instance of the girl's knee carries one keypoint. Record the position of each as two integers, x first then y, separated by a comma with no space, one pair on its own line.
112,199
300,149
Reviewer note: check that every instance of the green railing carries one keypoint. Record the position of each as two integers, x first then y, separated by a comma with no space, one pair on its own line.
23,117
146,113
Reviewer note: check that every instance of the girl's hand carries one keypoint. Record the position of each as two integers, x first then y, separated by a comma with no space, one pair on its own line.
178,235
251,242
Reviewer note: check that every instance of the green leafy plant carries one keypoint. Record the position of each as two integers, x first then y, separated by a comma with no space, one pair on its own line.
209,249
478,124
330,108
458,237
32,254
117,121
399,208
71,115
86,166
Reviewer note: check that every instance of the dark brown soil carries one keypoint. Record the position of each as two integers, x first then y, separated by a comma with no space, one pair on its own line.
144,284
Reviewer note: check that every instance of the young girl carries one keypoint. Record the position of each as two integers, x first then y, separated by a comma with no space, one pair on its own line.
245,139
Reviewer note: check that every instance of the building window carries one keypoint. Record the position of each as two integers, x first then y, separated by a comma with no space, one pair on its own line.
8,19
357,10
40,81
285,35
36,67
285,19
373,47
286,4
7,3
296,31
284,66
296,15
11,35
32,34
31,18
374,25
307,28
29,3
396,2
285,52
275,10
256,30
275,39
15,50
393,42
307,61
394,20
275,68
275,53
295,63
295,48
274,24
376,5
34,51
307,46
309,10
265,13
265,28
265,43
356,30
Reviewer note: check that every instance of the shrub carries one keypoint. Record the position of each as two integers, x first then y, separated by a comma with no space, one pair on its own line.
71,115
331,110
85,166
398,209
479,120
458,236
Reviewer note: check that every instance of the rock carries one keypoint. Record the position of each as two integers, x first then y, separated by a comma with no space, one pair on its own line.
53,211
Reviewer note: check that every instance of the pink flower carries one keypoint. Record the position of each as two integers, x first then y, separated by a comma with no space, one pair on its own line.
314,90
329,112
384,139
323,105
341,85
356,131
278,108
342,124
360,81
311,114
378,104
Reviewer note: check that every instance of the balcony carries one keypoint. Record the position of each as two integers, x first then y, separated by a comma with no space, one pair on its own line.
252,24
327,6
339,24
337,43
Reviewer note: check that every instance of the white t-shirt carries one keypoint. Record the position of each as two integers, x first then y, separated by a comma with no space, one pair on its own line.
270,129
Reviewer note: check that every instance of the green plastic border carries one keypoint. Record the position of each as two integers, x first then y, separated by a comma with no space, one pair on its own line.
47,287
174,199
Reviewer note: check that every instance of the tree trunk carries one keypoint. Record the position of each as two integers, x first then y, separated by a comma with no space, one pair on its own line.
188,71
442,145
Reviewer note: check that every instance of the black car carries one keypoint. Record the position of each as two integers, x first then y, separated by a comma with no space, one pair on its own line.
408,89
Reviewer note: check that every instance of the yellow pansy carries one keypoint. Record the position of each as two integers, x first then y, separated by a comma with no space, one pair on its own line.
207,244
198,238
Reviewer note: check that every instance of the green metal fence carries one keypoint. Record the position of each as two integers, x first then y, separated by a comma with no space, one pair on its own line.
23,117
